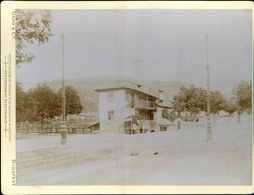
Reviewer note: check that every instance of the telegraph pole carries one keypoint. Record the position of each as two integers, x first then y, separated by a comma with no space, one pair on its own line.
63,128
209,126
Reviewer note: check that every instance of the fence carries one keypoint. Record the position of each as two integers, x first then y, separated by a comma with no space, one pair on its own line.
27,127
215,121
83,128
188,125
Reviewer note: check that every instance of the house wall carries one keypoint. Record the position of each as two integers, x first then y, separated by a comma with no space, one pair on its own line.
148,125
145,123
121,109
118,106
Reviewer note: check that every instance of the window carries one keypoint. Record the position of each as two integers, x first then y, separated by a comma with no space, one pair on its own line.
163,128
111,115
110,96
127,97
150,116
146,115
142,98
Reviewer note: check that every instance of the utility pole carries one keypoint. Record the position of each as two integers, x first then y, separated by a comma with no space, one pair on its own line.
209,126
63,128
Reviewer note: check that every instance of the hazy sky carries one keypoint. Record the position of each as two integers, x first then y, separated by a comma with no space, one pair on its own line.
169,45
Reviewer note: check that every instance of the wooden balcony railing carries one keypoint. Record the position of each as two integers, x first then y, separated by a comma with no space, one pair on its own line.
143,104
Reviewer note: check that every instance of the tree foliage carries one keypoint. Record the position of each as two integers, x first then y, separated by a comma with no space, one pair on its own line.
194,100
217,101
20,103
24,105
191,99
229,106
243,95
32,26
73,102
180,100
44,102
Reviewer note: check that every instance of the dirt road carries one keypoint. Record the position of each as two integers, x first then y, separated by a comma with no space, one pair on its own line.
165,158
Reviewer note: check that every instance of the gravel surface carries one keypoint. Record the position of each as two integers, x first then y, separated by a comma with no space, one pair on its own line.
175,157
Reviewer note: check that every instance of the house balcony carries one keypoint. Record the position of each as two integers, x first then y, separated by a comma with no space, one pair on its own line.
144,105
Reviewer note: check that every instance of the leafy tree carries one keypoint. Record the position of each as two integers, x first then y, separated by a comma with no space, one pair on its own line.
73,102
229,106
31,26
24,105
217,101
44,103
197,100
194,100
179,100
243,97
191,99
20,103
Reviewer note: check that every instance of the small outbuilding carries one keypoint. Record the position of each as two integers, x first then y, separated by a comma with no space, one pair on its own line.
95,126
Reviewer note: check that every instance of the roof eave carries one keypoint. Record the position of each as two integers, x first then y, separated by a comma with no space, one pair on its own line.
108,89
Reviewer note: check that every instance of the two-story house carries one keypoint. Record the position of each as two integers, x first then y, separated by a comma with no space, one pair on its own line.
121,99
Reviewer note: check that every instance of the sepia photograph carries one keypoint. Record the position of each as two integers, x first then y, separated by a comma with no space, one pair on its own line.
129,97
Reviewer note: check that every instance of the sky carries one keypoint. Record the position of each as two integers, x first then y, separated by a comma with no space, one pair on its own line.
164,45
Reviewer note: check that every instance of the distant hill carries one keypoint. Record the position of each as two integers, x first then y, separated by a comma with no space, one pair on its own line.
89,97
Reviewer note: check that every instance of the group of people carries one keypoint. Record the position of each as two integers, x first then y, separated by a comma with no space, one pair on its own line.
136,123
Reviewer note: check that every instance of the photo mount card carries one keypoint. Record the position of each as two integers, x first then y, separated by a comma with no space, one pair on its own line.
157,97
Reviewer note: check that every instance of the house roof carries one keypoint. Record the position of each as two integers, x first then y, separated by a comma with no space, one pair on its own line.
125,84
94,124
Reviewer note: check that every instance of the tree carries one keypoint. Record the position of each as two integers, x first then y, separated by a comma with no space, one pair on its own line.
44,103
179,100
217,101
243,97
191,99
24,105
229,106
73,102
20,103
31,26
197,100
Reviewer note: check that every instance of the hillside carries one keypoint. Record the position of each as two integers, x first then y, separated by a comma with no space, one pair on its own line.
89,97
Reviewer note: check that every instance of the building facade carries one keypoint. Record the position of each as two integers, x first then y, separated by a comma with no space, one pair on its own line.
119,101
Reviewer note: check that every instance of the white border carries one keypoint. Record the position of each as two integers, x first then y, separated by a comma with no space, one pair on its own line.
8,149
